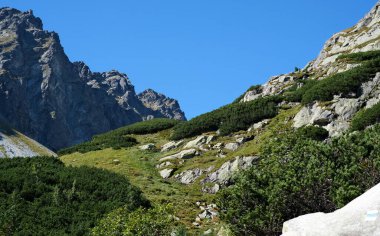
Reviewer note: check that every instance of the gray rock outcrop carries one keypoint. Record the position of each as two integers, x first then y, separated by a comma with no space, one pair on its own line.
223,176
54,101
158,102
185,154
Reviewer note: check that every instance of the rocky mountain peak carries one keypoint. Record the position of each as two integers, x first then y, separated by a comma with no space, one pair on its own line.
13,18
55,101
159,102
364,36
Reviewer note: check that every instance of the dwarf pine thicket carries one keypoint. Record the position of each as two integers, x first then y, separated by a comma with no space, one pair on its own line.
296,176
41,196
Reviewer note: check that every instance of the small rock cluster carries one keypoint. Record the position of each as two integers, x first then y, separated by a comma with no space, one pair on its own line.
207,212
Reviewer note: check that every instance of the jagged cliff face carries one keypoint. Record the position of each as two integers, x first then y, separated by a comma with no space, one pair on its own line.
364,36
160,103
52,100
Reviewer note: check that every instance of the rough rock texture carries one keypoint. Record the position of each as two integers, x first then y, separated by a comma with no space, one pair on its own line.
364,36
185,154
359,217
189,176
199,141
166,173
158,102
15,144
275,85
223,176
336,115
54,101
171,145
149,146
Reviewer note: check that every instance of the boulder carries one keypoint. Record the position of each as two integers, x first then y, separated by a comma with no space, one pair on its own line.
146,147
171,145
189,176
166,173
164,164
259,125
185,154
313,114
232,146
359,217
196,142
223,176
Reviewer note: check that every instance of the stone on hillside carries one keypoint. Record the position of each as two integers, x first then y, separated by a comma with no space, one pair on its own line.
360,217
313,114
218,146
241,140
224,174
210,138
171,145
207,232
189,176
259,125
116,161
185,154
164,164
232,146
149,146
196,142
166,173
214,189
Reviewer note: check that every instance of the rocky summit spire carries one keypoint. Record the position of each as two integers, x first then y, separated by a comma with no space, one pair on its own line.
55,101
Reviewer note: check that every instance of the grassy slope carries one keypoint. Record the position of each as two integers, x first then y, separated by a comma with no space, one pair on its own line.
139,167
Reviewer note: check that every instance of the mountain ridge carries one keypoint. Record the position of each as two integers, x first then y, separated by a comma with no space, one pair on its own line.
55,101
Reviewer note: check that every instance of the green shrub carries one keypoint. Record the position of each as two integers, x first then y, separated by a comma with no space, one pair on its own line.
100,142
366,117
154,221
40,196
359,57
313,132
298,176
229,118
146,127
295,94
344,83
117,138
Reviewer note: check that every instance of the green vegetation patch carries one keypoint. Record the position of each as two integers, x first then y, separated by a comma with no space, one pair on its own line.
345,84
40,196
117,138
359,57
99,142
366,117
230,118
142,222
146,127
296,176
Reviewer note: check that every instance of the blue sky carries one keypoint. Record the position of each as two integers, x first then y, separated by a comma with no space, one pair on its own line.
204,53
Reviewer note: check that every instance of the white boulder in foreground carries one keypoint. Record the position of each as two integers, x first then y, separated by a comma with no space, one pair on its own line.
361,217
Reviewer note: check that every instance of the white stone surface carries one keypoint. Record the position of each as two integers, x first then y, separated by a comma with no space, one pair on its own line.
360,217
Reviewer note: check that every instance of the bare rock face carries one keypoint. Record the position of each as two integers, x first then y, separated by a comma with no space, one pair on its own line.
158,102
336,115
364,36
223,176
52,100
